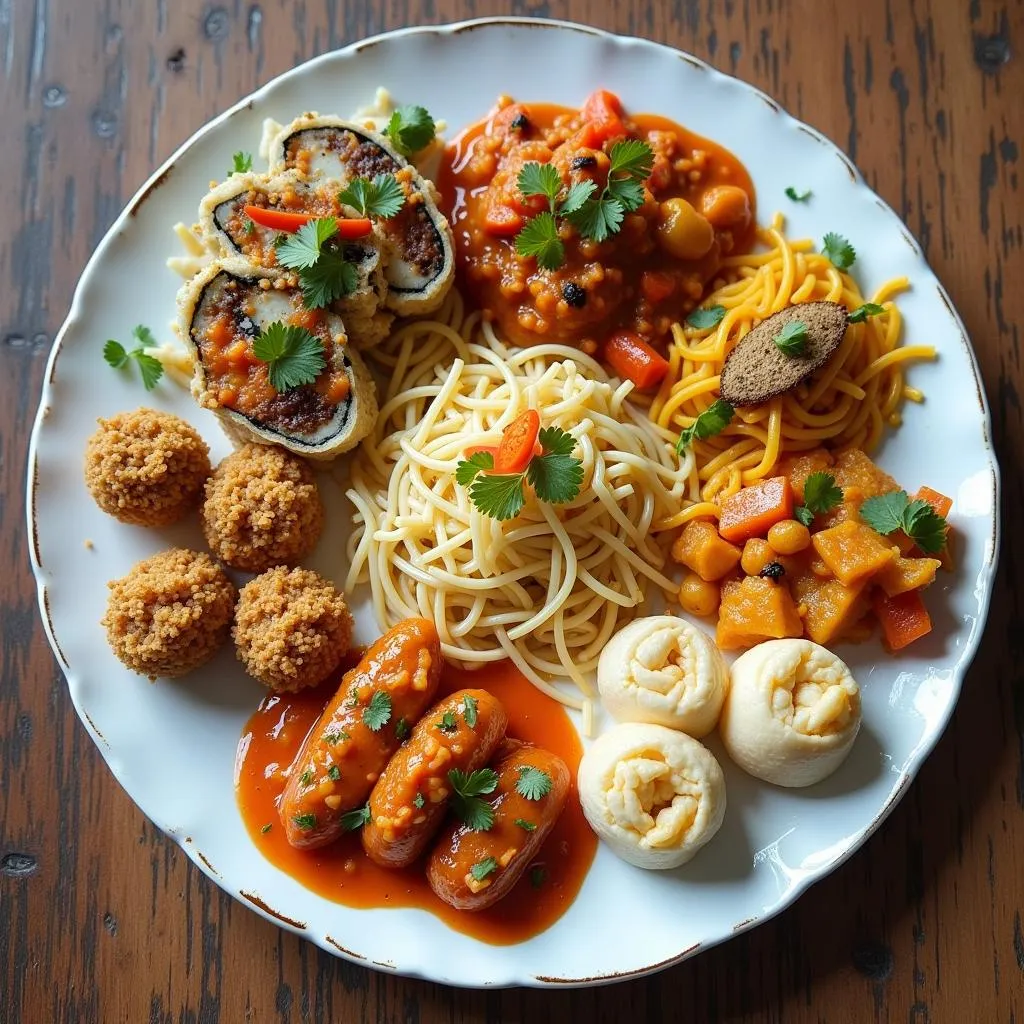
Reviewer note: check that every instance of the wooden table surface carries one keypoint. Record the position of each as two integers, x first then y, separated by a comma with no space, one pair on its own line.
102,919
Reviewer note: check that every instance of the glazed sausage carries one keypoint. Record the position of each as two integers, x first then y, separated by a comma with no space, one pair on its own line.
409,801
344,754
502,853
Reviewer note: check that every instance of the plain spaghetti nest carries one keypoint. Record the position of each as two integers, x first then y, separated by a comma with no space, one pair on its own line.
550,587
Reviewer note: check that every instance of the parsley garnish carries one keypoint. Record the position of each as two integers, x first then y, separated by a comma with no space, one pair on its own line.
334,773
533,783
266,828
483,868
821,495
377,713
305,821
466,801
337,736
839,251
540,239
380,196
448,723
631,163
798,197
861,313
527,825
351,820
293,355
554,475
410,129
917,519
418,800
240,162
150,368
248,226
325,275
713,420
706,317
469,709
538,876
306,779
401,729
792,339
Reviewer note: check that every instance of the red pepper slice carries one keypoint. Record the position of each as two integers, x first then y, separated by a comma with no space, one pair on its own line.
285,220
517,443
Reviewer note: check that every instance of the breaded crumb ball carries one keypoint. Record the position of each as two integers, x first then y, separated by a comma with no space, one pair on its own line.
262,509
292,628
146,467
170,613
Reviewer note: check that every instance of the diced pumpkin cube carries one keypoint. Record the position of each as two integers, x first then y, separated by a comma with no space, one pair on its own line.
755,609
903,574
904,617
853,551
800,465
829,609
754,510
855,469
700,548
847,510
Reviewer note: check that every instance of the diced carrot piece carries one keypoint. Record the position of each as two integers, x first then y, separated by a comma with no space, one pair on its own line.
903,574
602,105
798,466
853,551
633,359
501,123
755,609
594,134
754,510
904,617
829,609
700,548
656,285
502,220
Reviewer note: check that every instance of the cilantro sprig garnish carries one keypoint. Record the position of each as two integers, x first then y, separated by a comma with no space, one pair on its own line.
483,868
324,273
306,822
294,356
377,712
862,312
713,420
838,251
468,790
357,818
533,784
448,722
240,162
594,216
792,339
470,706
887,513
526,826
150,368
380,196
798,197
554,475
410,129
821,495
706,317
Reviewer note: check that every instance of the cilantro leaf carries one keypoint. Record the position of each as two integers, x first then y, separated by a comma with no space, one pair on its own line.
469,710
293,355
556,441
821,493
884,512
115,354
529,826
798,197
861,313
332,277
381,196
401,729
713,420
467,469
150,368
628,192
838,251
144,336
448,723
301,250
537,179
632,157
540,239
334,773
499,496
792,339
802,514
377,713
579,192
305,821
477,814
707,317
306,779
266,828
533,783
240,162
418,800
555,477
483,868
468,789
410,129
478,783
598,218
925,527
357,818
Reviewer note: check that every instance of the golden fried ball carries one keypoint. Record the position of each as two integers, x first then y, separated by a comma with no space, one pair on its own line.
262,509
170,613
146,467
292,628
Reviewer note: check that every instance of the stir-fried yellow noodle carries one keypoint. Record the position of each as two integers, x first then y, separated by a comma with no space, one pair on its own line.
849,403
549,587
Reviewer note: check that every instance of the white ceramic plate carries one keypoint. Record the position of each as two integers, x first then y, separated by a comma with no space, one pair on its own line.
172,745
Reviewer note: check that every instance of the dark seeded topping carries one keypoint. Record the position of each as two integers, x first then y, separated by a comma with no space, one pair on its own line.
581,162
772,571
574,294
520,123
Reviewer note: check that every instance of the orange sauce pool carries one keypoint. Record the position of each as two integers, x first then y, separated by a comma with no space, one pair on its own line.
342,872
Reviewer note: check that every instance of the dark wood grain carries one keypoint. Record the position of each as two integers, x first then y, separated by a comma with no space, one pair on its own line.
104,920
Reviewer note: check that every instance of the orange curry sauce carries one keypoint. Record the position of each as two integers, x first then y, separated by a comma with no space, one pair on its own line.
643,278
341,872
